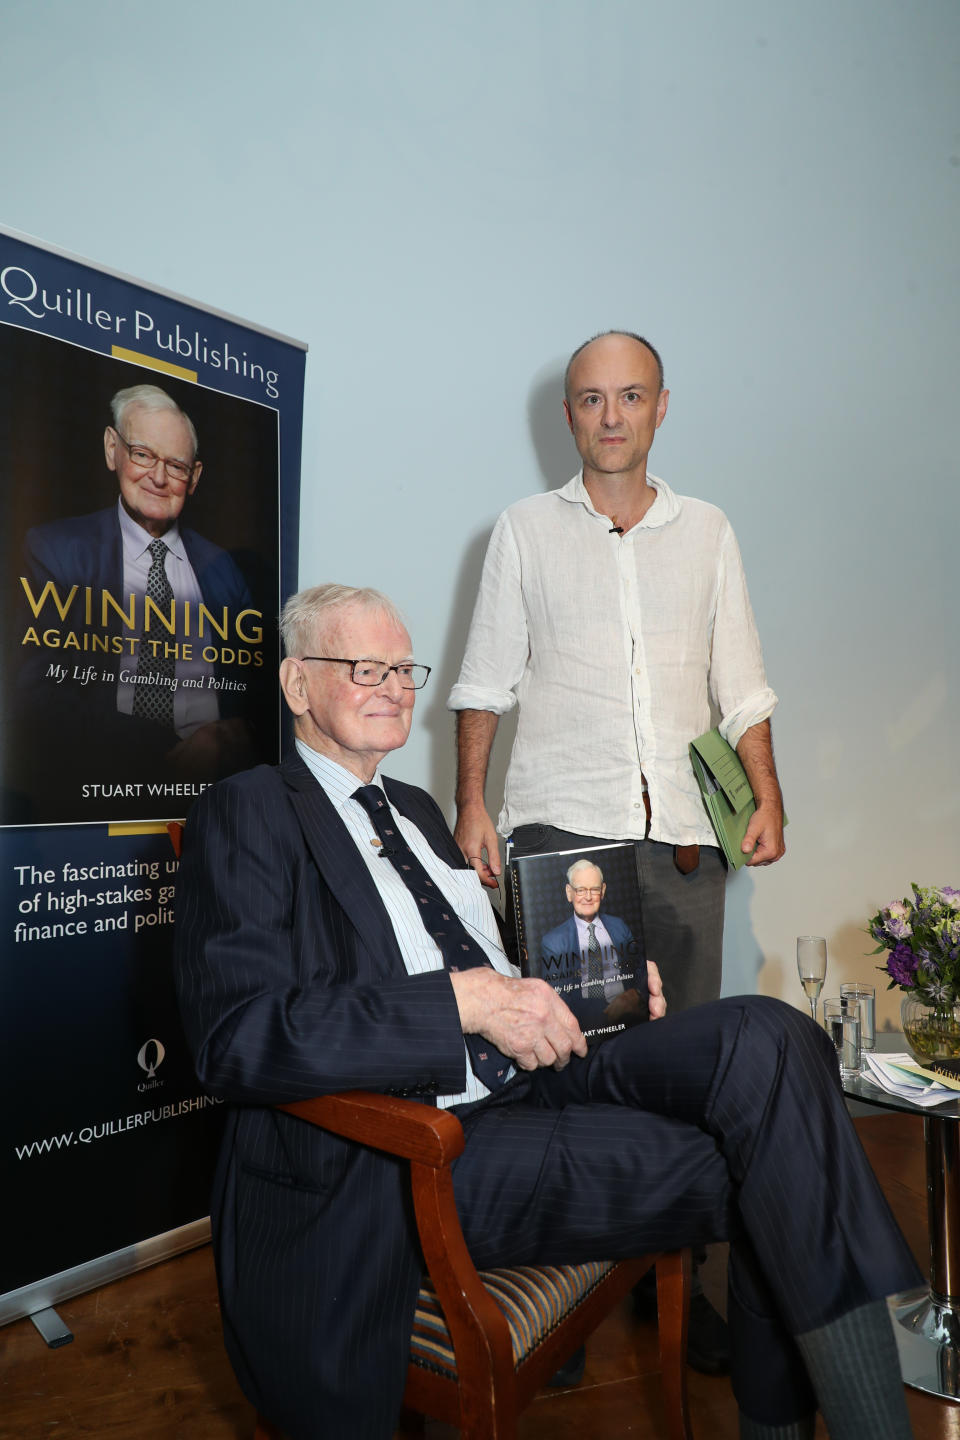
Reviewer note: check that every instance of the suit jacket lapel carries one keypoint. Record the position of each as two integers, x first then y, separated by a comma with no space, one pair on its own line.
109,561
348,879
335,854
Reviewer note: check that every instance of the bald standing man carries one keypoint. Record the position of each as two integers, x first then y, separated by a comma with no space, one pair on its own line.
614,613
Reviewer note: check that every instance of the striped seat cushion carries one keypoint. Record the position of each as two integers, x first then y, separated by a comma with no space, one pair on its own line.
534,1299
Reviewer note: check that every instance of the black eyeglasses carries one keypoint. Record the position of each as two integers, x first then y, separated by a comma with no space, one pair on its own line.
145,459
374,672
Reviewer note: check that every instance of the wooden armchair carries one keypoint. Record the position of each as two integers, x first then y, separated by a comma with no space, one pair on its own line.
485,1342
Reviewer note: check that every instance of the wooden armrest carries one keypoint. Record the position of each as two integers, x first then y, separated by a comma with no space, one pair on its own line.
430,1139
386,1122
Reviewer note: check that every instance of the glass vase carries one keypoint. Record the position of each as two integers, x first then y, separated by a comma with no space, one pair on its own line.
931,1032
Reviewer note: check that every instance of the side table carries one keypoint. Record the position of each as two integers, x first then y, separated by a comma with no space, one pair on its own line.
927,1321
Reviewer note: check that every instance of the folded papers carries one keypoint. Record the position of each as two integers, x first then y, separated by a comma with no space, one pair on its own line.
900,1075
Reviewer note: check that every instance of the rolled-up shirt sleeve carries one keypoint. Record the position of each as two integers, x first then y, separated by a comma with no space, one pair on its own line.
738,682
498,645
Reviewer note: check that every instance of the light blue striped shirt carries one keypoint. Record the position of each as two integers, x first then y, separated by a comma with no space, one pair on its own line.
462,888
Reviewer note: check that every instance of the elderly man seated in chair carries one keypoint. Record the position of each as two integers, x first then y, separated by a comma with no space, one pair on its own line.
331,937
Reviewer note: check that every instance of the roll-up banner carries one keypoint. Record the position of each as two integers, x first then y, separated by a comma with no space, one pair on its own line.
150,454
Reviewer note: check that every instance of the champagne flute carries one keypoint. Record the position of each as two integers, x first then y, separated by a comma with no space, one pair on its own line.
812,966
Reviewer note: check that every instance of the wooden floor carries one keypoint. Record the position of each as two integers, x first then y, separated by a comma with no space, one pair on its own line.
147,1362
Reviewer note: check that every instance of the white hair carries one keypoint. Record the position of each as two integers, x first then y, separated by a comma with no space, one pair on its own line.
149,397
305,614
579,865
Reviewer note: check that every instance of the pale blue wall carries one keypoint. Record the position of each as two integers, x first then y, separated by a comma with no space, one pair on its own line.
444,199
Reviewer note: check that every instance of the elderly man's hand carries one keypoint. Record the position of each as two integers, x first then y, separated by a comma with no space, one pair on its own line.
525,1019
218,748
623,1007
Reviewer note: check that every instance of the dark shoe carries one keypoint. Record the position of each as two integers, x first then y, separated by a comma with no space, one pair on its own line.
571,1373
708,1339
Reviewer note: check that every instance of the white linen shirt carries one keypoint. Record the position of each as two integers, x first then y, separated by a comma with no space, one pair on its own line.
615,647
462,889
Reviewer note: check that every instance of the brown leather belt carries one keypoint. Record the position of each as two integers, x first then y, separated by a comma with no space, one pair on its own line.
685,857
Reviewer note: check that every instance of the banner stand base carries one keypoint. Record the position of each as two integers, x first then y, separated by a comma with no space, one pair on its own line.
51,1327
42,1295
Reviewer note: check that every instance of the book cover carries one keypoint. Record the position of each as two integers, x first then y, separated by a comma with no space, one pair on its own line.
88,732
577,915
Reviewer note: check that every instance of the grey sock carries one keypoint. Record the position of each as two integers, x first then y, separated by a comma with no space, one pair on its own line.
855,1370
796,1430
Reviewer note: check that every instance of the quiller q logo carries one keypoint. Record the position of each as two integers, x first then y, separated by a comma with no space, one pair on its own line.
150,1058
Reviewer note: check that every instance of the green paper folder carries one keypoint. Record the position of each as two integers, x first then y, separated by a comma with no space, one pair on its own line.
726,793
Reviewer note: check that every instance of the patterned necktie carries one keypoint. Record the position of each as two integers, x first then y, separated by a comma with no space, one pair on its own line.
153,698
459,950
594,962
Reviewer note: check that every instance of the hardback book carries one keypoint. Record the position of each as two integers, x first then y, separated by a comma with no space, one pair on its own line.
577,915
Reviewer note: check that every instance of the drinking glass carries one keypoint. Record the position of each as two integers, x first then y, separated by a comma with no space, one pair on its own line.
812,967
864,996
841,1019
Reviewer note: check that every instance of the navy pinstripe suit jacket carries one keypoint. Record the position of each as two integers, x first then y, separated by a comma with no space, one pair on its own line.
291,984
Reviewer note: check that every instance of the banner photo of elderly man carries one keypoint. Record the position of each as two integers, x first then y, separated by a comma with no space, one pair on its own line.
577,915
141,580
